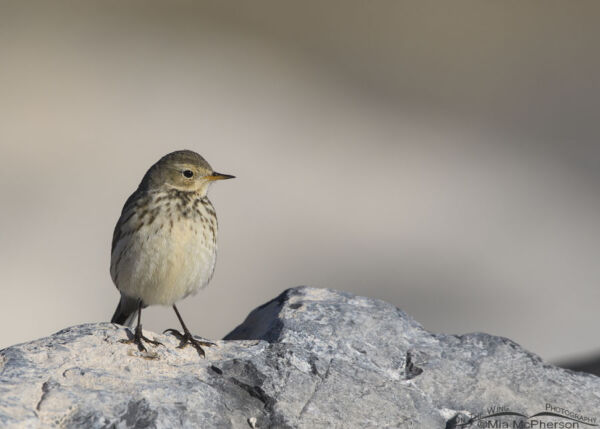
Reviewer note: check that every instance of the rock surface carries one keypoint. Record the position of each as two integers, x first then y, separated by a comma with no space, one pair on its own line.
310,358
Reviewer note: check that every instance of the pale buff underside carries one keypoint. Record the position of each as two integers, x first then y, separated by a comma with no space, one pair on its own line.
164,265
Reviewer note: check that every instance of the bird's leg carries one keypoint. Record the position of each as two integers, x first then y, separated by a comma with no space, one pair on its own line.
138,336
187,338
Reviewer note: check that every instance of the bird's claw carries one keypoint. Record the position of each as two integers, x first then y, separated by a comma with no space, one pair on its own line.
137,339
187,338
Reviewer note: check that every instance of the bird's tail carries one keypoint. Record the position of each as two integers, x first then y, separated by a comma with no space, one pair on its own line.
125,312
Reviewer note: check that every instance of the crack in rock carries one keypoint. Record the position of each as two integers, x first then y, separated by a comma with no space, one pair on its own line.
45,390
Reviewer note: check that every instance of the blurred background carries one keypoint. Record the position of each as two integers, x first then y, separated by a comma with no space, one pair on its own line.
442,156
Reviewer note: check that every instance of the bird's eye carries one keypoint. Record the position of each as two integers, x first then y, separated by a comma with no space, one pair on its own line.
188,173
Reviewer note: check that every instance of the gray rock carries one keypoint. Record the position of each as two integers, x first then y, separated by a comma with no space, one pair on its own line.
310,358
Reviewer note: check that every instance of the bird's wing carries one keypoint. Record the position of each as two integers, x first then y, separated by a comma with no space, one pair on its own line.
122,228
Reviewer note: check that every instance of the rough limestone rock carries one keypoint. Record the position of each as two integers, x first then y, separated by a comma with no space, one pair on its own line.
310,358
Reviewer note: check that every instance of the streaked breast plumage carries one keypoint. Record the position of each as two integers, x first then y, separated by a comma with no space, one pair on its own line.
167,239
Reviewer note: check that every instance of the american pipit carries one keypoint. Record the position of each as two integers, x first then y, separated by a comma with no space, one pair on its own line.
164,245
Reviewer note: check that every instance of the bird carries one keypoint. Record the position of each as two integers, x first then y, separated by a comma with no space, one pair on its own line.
164,245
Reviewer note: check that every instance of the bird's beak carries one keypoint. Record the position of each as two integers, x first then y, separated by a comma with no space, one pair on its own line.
219,176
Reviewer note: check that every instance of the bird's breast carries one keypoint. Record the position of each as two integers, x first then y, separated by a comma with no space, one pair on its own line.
171,254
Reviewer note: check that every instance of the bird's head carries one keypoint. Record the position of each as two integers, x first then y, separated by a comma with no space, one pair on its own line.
183,170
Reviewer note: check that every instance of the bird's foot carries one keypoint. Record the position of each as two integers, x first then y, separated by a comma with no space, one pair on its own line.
137,339
187,338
